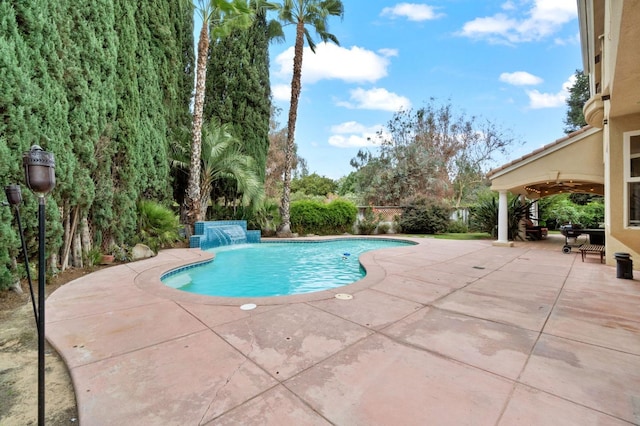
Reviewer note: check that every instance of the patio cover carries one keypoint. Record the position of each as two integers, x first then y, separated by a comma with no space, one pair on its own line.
573,164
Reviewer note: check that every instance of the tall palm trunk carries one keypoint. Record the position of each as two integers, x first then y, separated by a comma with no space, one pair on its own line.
193,201
296,87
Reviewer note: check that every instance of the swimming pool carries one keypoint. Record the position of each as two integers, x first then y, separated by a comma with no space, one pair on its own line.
278,268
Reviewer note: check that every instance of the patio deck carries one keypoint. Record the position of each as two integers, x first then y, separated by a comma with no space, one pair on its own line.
443,333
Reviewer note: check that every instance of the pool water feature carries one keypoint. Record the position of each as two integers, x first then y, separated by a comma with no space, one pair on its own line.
222,233
227,234
278,268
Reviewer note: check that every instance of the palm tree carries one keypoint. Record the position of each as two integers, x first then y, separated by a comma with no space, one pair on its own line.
301,13
222,159
219,16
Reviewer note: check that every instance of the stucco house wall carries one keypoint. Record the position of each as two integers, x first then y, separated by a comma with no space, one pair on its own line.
619,236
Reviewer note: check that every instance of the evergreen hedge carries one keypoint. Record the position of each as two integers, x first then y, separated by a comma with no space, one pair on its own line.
104,85
314,217
428,218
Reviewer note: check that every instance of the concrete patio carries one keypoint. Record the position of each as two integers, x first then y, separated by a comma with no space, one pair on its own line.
440,333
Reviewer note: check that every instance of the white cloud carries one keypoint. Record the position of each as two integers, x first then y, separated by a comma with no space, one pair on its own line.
281,92
332,62
538,100
571,81
542,19
572,40
352,134
349,127
484,27
520,78
350,141
508,5
386,52
412,11
375,99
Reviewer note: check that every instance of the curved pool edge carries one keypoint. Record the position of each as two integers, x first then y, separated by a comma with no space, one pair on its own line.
149,280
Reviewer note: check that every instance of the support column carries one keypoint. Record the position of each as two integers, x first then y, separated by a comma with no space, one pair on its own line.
503,221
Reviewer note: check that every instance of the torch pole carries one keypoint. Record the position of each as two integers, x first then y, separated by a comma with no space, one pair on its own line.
40,176
26,267
41,284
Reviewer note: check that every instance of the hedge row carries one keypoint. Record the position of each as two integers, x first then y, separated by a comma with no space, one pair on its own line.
313,217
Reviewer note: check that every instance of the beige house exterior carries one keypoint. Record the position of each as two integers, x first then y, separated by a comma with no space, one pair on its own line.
603,157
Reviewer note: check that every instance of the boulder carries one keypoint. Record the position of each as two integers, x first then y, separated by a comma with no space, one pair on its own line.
141,251
17,287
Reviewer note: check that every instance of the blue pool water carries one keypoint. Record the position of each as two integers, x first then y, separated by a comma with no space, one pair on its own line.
277,269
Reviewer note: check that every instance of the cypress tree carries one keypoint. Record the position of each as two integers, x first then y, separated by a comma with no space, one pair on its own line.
181,13
16,89
165,33
154,41
238,87
179,128
35,108
153,94
9,244
103,85
122,184
89,44
172,36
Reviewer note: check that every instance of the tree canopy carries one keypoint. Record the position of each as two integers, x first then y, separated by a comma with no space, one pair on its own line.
434,152
578,96
314,184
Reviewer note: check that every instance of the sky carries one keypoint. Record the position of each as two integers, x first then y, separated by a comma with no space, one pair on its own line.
510,62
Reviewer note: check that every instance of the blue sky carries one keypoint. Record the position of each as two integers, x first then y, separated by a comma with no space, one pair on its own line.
510,62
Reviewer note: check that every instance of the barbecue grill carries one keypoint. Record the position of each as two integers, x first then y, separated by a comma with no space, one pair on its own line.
572,231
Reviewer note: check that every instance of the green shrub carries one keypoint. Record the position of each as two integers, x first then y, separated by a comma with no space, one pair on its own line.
457,227
301,196
368,223
427,217
263,216
484,214
158,226
93,257
306,216
384,228
592,214
562,211
314,217
122,253
343,215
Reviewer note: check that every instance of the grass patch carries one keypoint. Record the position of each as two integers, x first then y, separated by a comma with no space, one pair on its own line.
465,236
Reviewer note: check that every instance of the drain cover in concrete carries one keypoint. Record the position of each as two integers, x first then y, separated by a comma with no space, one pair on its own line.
344,296
248,306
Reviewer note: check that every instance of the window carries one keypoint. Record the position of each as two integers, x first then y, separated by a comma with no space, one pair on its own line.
632,176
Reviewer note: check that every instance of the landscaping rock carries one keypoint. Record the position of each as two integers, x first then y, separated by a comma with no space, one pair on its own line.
16,287
141,251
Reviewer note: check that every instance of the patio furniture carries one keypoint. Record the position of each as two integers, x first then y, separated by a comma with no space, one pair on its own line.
536,232
592,249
